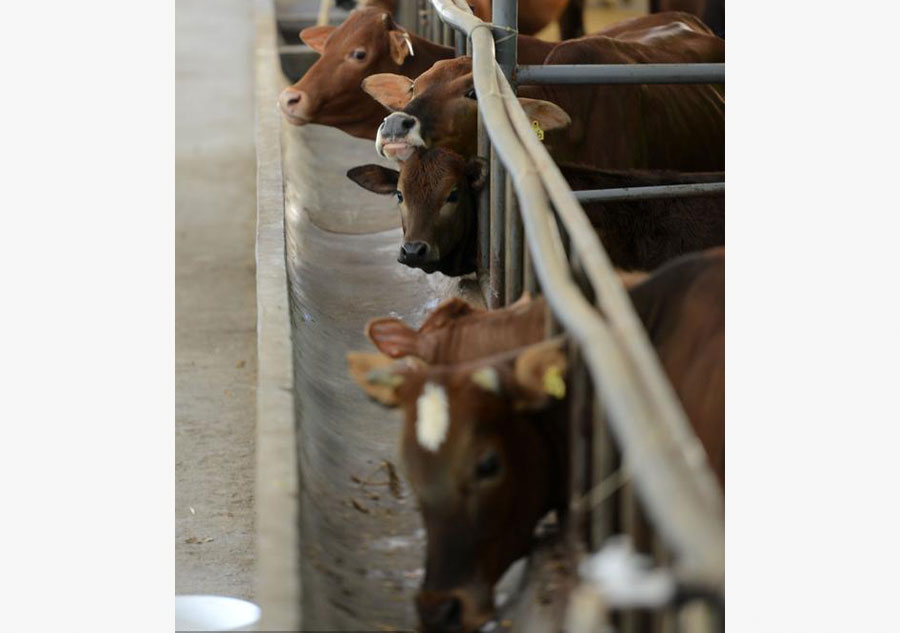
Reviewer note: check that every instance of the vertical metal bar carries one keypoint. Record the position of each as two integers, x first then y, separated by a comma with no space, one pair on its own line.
529,283
447,39
628,514
324,8
603,466
460,44
435,25
514,245
484,213
498,231
506,14
577,387
408,15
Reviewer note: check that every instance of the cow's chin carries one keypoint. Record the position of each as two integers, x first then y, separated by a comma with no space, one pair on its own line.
294,119
397,150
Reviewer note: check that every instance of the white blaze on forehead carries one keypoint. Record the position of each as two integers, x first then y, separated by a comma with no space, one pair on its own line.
432,417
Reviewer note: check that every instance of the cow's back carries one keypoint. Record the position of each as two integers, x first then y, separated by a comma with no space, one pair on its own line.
640,126
682,307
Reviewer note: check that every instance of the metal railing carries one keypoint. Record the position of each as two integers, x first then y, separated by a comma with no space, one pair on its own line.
665,460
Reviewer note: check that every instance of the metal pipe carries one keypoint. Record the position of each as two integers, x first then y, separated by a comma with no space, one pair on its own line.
498,232
505,15
514,245
435,27
407,15
650,193
324,8
483,266
622,74
668,463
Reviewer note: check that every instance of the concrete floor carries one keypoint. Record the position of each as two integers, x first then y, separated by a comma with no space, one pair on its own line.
215,301
361,545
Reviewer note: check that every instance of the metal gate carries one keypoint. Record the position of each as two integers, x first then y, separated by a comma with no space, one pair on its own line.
639,448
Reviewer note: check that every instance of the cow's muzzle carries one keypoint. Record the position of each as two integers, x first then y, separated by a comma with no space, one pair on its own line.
398,136
451,612
416,254
293,104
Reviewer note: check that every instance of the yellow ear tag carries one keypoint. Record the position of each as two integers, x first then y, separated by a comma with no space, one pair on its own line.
538,132
554,384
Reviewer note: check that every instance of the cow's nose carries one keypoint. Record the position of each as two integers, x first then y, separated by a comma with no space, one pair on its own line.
398,125
445,615
413,252
293,102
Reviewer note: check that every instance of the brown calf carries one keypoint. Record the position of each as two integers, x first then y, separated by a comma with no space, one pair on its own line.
437,189
483,441
612,127
482,449
367,43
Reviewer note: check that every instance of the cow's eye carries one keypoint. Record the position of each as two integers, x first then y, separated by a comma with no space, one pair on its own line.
399,196
488,465
454,196
358,54
471,95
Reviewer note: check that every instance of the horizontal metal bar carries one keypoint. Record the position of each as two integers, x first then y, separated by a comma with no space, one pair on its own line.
622,74
650,193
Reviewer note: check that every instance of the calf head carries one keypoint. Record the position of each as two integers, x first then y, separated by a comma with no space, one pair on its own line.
482,451
329,93
436,193
439,109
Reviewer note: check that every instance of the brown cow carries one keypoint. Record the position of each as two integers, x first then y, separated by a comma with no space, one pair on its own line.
712,12
483,441
534,15
482,450
605,126
437,190
368,42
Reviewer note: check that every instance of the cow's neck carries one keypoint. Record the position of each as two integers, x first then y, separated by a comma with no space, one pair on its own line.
461,260
425,54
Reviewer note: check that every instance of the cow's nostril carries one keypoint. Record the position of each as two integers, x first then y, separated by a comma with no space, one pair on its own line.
449,613
294,100
408,124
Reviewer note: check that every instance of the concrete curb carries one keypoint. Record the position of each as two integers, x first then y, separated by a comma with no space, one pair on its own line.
278,551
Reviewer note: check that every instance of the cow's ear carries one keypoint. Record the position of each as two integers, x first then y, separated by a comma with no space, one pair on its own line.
393,337
398,40
540,373
477,172
381,377
548,115
445,313
315,36
391,91
375,178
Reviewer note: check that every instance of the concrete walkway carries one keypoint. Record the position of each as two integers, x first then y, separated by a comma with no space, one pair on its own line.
215,303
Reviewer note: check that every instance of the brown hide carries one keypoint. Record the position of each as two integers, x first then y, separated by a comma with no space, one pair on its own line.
617,127
498,415
330,94
682,307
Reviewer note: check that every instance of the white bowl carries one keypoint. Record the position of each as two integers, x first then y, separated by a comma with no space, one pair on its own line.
214,613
